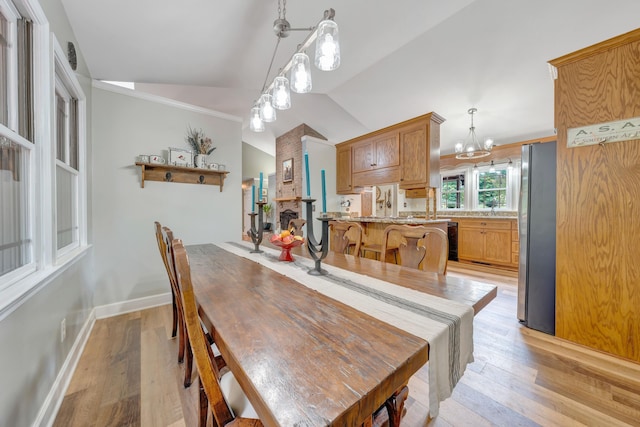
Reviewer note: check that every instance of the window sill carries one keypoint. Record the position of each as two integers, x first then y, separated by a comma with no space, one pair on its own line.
20,291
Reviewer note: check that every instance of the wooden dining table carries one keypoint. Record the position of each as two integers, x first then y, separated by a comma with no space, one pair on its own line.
305,359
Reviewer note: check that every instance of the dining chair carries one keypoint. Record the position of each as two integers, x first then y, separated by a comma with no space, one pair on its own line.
296,225
184,348
162,246
377,249
221,394
346,235
183,339
432,254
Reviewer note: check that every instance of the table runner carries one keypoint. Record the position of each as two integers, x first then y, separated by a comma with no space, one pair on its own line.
446,325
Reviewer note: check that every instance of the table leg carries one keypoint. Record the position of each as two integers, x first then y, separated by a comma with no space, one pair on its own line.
395,405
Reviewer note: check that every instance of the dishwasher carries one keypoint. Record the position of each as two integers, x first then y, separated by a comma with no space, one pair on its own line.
452,233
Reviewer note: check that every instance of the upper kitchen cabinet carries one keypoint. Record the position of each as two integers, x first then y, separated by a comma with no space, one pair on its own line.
381,151
343,169
376,160
420,151
406,153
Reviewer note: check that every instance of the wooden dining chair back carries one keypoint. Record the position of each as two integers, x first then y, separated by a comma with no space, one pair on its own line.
296,225
211,391
163,253
184,349
431,254
346,237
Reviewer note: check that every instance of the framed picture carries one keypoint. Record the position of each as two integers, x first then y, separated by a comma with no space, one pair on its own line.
180,157
287,170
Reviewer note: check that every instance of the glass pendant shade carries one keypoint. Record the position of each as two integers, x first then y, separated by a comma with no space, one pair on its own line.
301,73
267,112
281,96
327,46
255,123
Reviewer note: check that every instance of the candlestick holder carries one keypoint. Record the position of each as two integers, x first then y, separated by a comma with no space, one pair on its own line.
317,250
256,234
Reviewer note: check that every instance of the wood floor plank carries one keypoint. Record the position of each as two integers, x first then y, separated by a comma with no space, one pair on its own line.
519,377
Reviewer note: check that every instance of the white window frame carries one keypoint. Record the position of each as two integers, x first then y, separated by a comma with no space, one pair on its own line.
66,82
512,187
471,187
12,15
46,262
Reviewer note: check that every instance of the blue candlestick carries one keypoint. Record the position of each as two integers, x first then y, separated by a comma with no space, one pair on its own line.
306,169
260,193
324,192
253,198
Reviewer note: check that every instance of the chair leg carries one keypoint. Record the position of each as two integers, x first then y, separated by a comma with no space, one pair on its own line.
182,338
188,366
175,314
204,406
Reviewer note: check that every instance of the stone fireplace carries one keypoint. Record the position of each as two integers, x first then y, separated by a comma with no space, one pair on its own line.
286,216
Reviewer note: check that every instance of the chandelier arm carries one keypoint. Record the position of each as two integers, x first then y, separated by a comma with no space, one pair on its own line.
266,78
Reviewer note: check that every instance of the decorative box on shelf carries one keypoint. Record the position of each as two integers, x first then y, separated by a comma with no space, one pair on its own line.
183,174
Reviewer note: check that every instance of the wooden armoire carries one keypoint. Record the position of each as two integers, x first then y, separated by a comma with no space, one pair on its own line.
598,199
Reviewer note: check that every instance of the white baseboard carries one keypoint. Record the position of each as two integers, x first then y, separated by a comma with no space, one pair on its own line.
48,411
47,414
109,310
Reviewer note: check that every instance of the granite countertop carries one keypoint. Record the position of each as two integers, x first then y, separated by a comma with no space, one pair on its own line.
480,217
394,220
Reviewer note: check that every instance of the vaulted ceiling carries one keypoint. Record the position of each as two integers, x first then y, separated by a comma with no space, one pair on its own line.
400,59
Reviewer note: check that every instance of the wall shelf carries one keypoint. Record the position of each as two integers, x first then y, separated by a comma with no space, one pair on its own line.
185,175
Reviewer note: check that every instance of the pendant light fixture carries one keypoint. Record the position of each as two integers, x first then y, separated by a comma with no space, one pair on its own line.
300,73
471,148
281,97
267,112
255,122
327,46
327,58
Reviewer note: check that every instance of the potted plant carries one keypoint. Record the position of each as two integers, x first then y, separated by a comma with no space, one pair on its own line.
267,209
201,145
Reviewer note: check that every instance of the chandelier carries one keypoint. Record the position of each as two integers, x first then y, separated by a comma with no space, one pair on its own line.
277,95
471,148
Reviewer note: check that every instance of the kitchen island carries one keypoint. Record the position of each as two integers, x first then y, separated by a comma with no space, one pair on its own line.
374,227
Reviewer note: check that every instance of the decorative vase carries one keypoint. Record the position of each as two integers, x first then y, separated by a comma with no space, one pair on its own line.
200,161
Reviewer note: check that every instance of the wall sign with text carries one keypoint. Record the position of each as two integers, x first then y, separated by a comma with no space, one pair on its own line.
618,131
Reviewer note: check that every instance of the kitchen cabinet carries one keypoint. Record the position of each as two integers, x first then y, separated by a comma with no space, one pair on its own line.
376,160
381,151
488,241
407,153
420,153
343,170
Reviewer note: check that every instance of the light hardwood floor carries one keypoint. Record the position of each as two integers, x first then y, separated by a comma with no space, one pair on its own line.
129,376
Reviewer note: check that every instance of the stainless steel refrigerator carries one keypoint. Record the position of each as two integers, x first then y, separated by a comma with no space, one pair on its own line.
537,228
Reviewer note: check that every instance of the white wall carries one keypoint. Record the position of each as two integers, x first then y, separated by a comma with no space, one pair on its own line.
126,124
322,155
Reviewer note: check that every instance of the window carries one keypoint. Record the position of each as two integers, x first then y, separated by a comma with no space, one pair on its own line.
4,68
15,227
452,191
17,150
481,187
42,167
67,143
